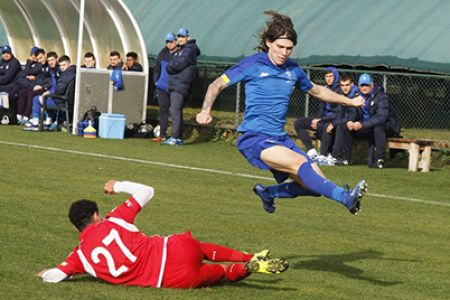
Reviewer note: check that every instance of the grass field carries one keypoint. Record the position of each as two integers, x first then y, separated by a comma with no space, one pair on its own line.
397,248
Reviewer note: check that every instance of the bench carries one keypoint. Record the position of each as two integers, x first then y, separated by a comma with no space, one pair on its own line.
419,152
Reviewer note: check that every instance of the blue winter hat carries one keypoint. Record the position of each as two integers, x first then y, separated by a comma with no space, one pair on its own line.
6,49
33,50
365,79
183,32
170,37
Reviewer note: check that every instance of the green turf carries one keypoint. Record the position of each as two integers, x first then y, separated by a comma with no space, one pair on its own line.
396,249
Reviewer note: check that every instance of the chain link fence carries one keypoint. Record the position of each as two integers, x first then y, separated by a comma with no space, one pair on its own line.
420,101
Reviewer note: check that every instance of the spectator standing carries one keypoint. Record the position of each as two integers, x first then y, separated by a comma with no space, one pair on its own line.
161,80
182,70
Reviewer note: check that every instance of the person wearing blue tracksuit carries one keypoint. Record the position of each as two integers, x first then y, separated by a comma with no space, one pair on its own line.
375,121
327,114
66,75
161,80
339,154
182,69
269,78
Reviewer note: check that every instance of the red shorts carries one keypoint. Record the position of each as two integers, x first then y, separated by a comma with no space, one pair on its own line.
185,267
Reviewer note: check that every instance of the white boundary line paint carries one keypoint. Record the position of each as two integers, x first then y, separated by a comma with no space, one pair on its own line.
228,173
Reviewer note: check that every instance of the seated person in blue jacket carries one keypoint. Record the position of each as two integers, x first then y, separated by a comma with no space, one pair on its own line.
46,81
9,67
319,123
339,156
131,63
66,75
25,78
376,121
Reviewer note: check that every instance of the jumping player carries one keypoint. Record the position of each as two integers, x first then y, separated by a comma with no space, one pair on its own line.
113,249
269,78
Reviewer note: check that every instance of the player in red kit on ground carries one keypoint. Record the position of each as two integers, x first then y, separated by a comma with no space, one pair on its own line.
114,250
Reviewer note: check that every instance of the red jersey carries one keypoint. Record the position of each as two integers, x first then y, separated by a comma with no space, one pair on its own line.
115,251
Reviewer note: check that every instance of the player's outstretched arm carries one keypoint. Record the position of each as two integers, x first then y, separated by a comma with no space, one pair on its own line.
214,89
328,95
141,193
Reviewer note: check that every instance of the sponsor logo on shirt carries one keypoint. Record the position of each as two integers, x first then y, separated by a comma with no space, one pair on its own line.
263,74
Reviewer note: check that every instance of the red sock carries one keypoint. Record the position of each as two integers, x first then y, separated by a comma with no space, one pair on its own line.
236,272
213,252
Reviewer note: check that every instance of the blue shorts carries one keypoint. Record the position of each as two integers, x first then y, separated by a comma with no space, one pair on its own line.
251,144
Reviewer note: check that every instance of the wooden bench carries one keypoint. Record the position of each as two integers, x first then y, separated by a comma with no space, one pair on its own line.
419,152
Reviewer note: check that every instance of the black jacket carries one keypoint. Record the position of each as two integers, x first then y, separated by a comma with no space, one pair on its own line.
182,68
31,68
64,78
380,111
9,70
137,67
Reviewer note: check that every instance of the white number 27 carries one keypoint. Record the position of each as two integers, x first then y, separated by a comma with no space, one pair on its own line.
112,236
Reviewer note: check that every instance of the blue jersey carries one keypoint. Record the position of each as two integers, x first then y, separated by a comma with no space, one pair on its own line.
268,89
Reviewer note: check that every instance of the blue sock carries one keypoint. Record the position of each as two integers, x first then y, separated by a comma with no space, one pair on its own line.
320,185
289,190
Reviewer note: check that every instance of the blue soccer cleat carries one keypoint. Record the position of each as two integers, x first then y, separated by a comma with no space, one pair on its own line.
353,197
266,199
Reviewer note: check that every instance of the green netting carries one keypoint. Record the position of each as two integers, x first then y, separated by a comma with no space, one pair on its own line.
408,34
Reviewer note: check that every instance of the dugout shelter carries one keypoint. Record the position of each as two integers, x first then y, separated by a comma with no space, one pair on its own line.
74,27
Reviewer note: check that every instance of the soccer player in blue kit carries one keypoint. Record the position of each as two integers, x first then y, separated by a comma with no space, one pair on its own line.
270,77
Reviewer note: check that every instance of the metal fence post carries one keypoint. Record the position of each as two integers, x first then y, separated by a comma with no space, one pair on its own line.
308,72
385,83
238,102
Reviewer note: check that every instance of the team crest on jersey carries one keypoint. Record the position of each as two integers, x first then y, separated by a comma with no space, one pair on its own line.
129,204
289,74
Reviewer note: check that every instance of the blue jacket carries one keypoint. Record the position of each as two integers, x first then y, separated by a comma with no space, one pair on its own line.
160,75
348,113
328,112
62,83
378,110
182,68
9,70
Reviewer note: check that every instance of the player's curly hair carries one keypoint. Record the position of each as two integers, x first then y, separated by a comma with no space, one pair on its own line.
278,26
81,212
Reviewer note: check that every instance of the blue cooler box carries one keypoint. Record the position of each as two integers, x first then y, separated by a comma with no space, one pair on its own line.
111,126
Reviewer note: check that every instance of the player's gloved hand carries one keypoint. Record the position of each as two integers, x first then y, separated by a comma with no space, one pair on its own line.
203,118
109,187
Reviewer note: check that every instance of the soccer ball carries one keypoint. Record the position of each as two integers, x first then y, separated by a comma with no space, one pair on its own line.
156,131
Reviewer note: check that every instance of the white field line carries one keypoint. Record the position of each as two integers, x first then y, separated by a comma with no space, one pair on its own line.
221,172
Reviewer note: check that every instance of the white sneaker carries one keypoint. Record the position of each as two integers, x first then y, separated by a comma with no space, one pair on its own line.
312,154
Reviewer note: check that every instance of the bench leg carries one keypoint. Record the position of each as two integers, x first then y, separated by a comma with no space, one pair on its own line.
425,161
413,157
